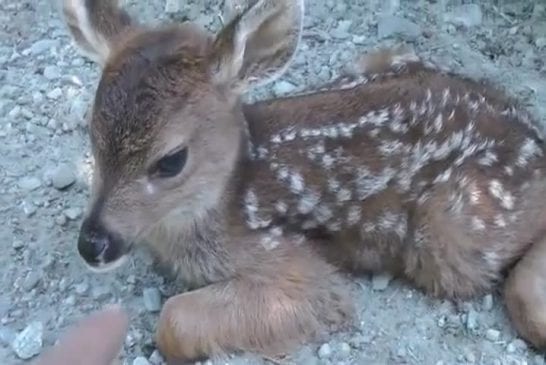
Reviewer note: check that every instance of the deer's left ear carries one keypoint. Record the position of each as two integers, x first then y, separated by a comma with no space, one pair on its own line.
94,26
257,46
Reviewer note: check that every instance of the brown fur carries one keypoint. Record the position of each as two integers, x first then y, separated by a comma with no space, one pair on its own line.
277,196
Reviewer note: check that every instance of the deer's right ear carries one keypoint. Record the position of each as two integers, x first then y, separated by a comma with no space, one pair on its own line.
94,25
258,44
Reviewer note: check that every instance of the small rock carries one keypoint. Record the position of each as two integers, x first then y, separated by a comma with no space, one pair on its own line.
72,213
283,87
52,72
60,220
141,361
55,94
390,25
380,282
344,349
539,360
487,303
63,176
492,335
172,6
70,300
43,45
152,299
467,15
470,357
17,244
7,335
540,42
29,209
81,288
472,320
100,292
342,29
30,183
324,351
156,358
31,280
516,345
28,343
78,109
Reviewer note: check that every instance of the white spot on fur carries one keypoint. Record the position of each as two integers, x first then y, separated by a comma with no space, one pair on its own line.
368,184
506,198
343,195
296,183
354,215
308,202
500,221
323,214
478,224
281,207
488,159
528,150
251,209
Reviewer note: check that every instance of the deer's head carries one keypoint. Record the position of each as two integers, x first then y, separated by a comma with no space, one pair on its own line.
166,125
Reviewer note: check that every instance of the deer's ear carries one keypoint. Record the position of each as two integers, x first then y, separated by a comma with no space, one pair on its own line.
258,44
94,25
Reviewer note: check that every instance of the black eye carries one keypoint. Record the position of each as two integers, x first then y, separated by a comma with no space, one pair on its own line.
172,164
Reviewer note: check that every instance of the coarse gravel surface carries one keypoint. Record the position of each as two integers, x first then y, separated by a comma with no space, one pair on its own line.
45,88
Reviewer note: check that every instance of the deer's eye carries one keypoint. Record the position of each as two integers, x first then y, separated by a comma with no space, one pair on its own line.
171,165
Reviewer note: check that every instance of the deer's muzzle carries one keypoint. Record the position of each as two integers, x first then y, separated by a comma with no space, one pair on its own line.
98,247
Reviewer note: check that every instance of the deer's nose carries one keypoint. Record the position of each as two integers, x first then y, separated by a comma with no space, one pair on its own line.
97,246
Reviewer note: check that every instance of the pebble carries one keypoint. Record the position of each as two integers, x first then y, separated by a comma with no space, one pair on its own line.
43,45
70,300
324,351
81,288
17,244
152,299
52,72
55,94
7,335
467,15
390,25
28,343
31,280
344,349
141,361
72,213
30,183
283,87
156,358
492,335
472,320
342,29
63,176
487,303
100,292
380,282
470,357
172,6
540,42
516,345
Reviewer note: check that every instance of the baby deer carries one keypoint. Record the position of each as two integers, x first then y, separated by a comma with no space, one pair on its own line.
261,207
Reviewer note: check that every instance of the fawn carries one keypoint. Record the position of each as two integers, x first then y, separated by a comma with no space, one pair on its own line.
262,207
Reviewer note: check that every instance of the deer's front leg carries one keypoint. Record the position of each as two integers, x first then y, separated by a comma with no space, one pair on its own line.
267,309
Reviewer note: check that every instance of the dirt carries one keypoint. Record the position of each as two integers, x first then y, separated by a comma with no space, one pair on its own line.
45,88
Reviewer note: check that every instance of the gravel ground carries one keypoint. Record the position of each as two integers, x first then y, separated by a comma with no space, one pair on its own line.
45,86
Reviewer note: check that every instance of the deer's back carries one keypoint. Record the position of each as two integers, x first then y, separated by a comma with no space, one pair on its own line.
357,159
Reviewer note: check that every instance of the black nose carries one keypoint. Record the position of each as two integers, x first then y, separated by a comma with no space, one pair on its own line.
98,246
